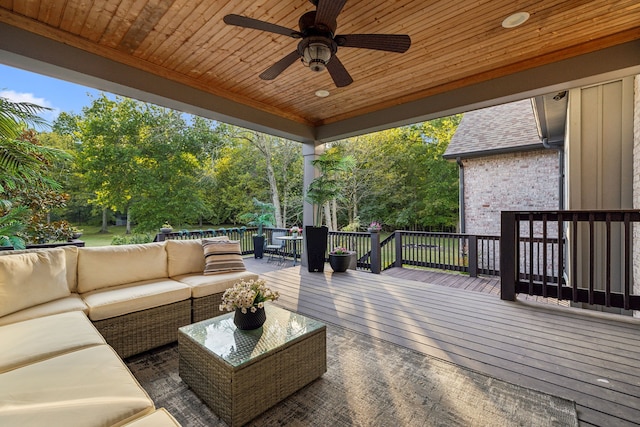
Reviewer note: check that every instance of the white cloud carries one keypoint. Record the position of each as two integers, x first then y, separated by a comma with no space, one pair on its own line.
14,96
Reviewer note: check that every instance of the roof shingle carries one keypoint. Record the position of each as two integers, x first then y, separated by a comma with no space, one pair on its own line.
499,129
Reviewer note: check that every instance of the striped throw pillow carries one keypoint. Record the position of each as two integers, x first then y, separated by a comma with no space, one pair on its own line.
222,257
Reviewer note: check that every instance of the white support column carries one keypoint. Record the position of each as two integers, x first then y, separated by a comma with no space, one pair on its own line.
310,151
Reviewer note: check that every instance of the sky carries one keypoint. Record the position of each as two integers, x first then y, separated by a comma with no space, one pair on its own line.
59,95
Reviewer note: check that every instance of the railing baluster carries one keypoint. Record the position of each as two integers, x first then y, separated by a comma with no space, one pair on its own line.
544,255
574,258
560,270
530,254
627,261
591,258
607,286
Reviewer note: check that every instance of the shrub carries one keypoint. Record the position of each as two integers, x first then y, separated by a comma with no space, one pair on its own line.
132,239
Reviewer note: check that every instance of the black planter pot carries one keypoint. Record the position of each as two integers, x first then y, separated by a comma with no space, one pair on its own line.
258,246
339,263
249,320
316,238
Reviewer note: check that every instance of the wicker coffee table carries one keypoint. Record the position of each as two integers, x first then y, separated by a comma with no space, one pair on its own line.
241,374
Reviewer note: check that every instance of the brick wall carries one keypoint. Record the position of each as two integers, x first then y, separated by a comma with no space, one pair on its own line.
518,181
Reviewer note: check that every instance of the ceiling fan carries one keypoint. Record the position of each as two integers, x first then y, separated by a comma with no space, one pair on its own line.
318,45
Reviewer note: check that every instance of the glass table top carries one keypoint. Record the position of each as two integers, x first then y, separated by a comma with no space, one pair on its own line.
221,338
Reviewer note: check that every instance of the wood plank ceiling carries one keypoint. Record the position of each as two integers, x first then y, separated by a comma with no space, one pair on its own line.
454,46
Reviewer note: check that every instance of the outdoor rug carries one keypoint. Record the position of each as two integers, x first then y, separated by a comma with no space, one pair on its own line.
370,382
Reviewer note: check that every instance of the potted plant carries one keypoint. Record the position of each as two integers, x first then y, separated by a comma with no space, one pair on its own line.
263,217
247,298
166,227
374,227
339,259
322,190
295,230
76,233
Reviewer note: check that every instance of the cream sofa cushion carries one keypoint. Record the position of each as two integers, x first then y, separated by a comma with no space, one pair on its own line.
106,266
30,279
71,256
186,256
38,339
202,286
90,387
63,305
159,418
138,296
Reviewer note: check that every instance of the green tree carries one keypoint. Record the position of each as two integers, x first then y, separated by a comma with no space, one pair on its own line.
27,189
139,159
328,187
400,177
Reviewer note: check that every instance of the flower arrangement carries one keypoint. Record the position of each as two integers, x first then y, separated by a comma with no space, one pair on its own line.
295,230
375,226
247,296
338,250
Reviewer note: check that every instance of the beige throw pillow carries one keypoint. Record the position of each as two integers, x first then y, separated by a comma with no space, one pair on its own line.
222,257
185,256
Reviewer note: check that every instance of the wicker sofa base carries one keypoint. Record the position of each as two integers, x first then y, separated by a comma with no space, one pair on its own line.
144,330
204,308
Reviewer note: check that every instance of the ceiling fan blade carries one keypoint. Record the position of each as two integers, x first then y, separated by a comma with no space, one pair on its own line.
399,43
277,68
338,73
255,24
327,12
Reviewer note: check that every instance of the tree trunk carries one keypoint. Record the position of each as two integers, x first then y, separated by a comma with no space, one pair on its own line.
334,214
104,229
128,221
327,216
263,143
285,201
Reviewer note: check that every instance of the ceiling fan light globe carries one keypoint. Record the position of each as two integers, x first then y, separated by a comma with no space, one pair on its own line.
316,56
317,65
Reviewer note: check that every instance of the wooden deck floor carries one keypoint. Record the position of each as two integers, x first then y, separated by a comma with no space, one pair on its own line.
591,358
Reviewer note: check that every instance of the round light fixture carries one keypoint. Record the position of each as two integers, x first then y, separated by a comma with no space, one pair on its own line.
515,20
316,56
322,93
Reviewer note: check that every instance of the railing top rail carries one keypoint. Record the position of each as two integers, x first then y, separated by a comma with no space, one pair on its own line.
431,233
578,215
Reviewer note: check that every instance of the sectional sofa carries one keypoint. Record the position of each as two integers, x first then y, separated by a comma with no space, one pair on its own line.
69,315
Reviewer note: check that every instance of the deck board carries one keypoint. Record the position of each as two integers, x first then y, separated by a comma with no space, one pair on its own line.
563,351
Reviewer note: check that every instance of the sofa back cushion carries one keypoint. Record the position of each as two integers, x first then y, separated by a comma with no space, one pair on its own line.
107,266
71,255
222,257
33,278
186,257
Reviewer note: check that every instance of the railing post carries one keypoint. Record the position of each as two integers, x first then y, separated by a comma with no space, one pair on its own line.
376,253
398,244
472,254
508,262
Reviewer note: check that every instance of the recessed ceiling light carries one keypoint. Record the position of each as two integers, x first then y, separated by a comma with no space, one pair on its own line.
322,93
515,20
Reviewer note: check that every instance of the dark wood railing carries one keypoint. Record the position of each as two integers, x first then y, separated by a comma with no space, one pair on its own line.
592,263
244,235
446,251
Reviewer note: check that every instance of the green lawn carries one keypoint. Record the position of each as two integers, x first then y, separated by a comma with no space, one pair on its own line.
92,237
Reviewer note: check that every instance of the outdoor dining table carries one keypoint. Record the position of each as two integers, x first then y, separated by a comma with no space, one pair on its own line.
293,239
